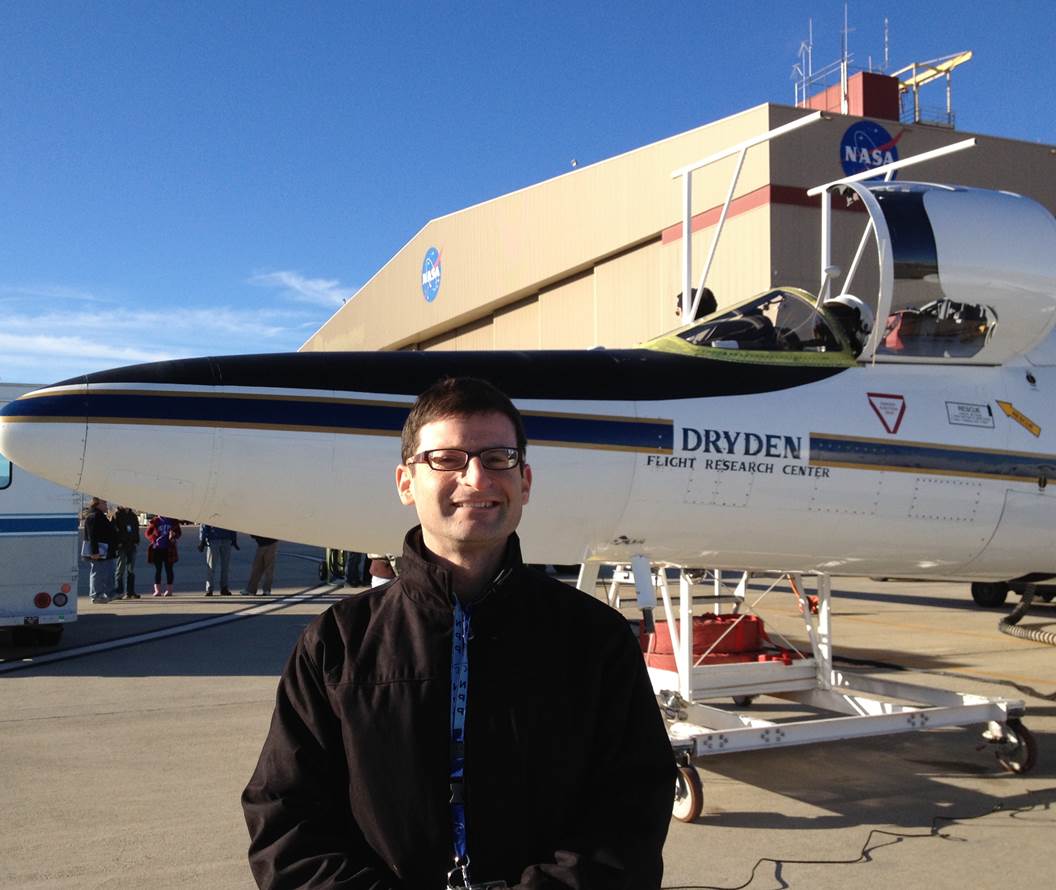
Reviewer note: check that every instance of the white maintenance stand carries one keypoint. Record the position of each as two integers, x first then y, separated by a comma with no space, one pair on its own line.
864,705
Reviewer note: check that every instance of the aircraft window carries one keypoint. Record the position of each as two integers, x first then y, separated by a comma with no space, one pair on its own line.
5,472
940,328
774,322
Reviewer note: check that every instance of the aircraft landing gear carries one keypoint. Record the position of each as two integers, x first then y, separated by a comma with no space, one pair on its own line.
989,596
1015,747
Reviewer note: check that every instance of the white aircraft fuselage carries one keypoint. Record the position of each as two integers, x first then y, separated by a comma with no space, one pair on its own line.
927,455
875,469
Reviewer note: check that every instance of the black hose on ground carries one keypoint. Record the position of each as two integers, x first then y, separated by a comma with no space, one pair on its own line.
1008,625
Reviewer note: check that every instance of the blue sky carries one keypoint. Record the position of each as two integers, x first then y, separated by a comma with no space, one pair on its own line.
183,179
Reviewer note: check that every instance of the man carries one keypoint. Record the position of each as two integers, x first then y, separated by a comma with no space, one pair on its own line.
262,572
217,543
473,722
98,548
125,522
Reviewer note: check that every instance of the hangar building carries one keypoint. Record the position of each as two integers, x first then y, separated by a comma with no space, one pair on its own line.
593,257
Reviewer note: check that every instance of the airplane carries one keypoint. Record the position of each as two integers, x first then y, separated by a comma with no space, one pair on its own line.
910,432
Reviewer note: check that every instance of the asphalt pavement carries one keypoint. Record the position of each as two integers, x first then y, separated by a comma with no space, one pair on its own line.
125,749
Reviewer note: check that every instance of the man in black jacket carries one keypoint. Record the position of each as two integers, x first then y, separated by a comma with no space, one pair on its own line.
98,549
473,722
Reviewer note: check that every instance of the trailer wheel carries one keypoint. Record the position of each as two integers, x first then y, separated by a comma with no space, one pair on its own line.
324,572
1018,751
689,795
989,596
743,701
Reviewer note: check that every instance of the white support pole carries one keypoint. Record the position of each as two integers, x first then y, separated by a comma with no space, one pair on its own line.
826,246
857,256
824,647
643,582
877,172
687,245
718,232
748,143
588,577
742,591
686,173
669,612
869,228
684,649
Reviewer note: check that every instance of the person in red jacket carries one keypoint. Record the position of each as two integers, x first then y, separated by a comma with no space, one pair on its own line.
162,534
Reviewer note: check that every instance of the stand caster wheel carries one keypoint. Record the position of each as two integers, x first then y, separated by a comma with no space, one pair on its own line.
1017,752
689,795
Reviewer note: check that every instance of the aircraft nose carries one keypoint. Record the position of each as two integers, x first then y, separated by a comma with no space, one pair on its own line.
44,431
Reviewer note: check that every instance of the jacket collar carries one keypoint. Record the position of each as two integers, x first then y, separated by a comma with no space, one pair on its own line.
425,582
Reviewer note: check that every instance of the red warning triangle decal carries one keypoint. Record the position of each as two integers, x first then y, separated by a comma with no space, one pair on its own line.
889,408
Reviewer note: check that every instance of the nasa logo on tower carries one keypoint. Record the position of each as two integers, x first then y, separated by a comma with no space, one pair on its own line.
431,274
866,145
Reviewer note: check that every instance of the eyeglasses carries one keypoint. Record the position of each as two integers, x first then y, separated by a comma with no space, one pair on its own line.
457,459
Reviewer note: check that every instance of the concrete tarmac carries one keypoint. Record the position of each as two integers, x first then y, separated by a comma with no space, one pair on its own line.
123,767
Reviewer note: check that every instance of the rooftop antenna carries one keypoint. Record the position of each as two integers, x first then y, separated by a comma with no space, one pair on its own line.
887,59
803,72
845,103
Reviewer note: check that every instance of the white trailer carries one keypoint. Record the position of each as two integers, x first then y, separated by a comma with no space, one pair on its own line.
38,549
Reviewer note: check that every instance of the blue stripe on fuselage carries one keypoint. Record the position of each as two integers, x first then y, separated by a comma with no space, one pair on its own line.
38,525
320,414
927,458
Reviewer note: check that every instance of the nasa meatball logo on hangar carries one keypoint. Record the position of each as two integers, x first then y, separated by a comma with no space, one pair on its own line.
866,145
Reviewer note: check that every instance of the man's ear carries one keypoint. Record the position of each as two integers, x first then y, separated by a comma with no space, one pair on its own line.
526,483
404,488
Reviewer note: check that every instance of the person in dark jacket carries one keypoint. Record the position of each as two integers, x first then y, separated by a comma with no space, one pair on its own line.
472,722
126,543
98,550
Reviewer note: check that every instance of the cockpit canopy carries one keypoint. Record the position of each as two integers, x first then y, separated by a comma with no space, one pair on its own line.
961,275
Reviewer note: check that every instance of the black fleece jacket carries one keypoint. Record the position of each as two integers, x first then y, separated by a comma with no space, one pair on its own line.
568,770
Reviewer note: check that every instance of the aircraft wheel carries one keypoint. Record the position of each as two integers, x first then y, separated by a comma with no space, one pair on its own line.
689,795
1018,751
743,701
989,596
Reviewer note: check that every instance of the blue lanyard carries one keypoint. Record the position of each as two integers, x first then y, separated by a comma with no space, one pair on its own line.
459,700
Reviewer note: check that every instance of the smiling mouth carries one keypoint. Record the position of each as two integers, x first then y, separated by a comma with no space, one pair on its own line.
476,505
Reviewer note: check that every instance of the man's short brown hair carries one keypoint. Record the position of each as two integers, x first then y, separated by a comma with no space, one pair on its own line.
458,397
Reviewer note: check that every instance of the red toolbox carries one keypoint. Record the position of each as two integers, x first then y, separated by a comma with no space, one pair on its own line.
744,642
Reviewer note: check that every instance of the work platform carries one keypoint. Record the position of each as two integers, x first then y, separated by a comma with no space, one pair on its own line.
838,704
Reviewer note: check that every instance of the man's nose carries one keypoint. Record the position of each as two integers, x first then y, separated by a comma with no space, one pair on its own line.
474,473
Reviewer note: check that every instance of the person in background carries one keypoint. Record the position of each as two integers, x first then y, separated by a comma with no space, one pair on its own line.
708,304
98,550
381,568
356,574
262,572
217,542
126,538
162,533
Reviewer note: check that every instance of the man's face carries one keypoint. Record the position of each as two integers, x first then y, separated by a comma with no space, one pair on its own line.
472,508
